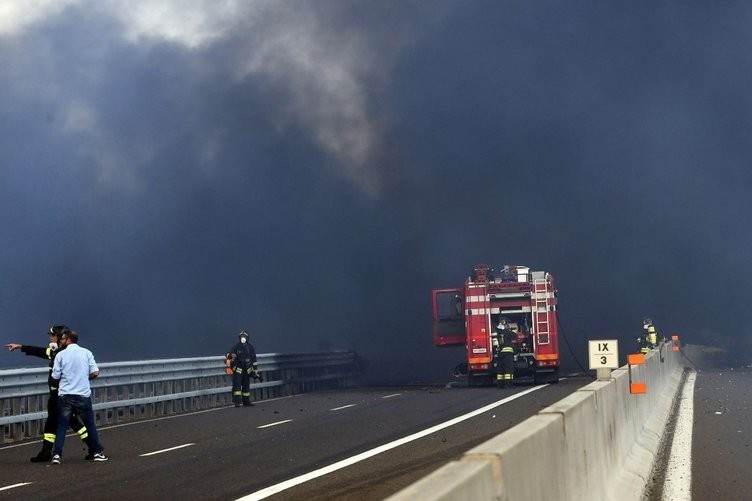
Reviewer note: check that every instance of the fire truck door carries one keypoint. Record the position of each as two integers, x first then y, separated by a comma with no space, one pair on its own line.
448,317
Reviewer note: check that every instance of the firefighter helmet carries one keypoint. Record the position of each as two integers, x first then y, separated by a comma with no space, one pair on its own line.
243,333
58,330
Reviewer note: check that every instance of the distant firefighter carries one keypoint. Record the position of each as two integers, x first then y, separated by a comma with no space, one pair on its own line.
649,337
648,326
243,365
505,354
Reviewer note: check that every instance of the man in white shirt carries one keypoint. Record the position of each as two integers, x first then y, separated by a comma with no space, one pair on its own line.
74,367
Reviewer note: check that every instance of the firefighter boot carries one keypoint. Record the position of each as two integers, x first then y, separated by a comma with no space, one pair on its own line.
247,403
45,455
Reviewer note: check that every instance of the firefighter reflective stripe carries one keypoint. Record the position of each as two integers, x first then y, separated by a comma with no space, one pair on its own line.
246,394
49,353
49,437
235,393
249,370
82,433
507,349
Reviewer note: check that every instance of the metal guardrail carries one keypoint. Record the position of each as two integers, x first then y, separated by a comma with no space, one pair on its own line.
127,391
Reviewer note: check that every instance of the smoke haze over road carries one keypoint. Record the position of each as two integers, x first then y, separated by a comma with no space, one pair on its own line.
173,172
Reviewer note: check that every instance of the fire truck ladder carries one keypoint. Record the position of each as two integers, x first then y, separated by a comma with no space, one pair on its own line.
542,311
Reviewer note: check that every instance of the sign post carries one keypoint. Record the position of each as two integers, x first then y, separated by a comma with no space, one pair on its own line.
604,356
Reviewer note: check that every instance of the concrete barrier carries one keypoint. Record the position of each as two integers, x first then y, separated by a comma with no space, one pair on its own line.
456,481
598,443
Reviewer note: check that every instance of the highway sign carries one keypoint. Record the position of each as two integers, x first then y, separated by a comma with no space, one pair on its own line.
604,354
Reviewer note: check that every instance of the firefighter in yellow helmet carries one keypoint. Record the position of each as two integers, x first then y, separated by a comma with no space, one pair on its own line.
243,364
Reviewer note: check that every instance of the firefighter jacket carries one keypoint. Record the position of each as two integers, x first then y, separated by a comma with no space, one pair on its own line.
48,354
245,356
505,337
643,342
652,336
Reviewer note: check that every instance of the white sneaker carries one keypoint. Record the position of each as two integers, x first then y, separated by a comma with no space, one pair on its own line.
99,456
56,459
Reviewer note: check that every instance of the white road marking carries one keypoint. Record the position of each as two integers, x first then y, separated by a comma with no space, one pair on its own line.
144,421
274,424
166,450
392,395
343,407
14,486
678,483
274,489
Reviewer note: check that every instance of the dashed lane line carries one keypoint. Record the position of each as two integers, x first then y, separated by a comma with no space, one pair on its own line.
342,407
14,486
166,450
274,424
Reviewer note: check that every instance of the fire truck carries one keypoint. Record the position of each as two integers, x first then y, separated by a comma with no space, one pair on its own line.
469,316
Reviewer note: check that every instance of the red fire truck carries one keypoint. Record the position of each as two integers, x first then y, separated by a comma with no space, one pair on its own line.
469,316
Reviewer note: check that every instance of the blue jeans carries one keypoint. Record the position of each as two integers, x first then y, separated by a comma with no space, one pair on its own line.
81,407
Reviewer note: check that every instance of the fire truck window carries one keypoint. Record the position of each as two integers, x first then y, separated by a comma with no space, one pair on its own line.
448,307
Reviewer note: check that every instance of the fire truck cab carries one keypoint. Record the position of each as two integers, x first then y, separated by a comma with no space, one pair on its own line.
469,316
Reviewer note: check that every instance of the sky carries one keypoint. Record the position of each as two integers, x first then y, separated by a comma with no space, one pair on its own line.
174,171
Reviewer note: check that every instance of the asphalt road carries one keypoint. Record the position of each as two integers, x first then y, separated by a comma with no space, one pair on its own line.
716,461
400,434
722,438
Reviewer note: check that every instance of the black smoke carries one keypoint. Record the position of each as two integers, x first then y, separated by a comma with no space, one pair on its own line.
310,173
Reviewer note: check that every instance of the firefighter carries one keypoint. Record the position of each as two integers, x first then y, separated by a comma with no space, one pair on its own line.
243,364
505,370
647,339
50,426
651,332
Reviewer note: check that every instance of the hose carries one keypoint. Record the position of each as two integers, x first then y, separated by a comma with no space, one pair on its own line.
571,351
